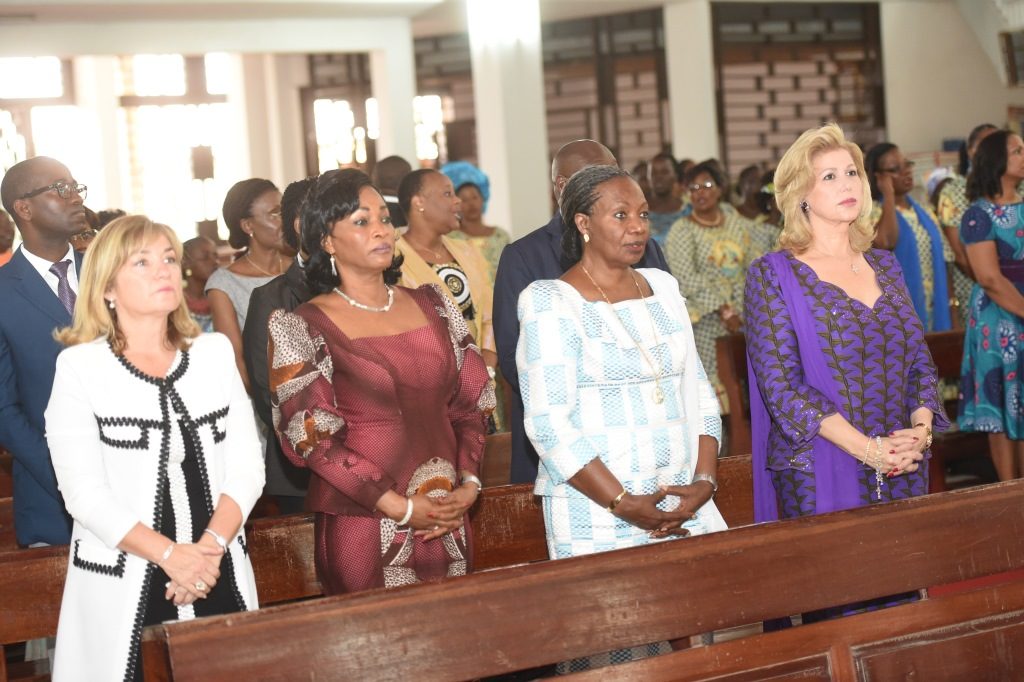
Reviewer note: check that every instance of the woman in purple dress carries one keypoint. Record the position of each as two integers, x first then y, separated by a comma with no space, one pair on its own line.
843,388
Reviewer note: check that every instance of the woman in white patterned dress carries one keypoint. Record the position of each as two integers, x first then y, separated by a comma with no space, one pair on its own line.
616,400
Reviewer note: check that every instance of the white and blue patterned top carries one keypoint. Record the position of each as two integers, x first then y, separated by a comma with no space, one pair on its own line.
588,393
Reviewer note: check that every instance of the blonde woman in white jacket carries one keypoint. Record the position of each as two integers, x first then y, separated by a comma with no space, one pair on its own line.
156,454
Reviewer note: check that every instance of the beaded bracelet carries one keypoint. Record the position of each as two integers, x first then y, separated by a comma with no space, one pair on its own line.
927,432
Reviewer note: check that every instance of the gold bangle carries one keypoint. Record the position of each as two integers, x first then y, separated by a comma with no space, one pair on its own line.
615,503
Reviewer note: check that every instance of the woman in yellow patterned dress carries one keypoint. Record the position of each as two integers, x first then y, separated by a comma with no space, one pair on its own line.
708,252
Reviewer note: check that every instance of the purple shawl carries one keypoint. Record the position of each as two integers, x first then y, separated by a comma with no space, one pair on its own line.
835,472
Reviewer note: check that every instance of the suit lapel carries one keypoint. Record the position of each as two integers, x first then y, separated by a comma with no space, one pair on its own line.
34,289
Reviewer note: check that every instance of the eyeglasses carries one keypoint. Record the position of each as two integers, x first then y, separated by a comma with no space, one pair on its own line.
698,186
84,235
895,170
63,189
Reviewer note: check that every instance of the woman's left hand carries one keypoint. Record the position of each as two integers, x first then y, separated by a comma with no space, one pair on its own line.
910,440
460,500
691,498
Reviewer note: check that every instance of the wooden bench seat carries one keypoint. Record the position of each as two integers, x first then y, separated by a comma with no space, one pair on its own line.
946,348
498,622
507,520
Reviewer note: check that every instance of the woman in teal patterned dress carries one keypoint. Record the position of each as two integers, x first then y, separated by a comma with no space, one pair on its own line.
992,229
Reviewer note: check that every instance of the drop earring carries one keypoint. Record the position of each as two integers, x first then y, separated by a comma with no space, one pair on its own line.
334,266
804,207
586,238
110,304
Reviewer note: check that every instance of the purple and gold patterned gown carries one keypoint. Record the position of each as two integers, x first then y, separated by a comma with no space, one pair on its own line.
883,372
877,356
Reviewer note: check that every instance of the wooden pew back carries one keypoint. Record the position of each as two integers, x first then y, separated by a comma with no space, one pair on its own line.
507,520
501,621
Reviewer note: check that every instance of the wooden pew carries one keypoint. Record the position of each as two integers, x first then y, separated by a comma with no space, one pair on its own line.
498,622
946,348
7,538
508,523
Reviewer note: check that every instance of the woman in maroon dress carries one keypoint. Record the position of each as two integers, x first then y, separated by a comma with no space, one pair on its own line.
380,391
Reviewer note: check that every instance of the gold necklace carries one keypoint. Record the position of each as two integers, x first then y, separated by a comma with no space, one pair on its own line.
714,223
658,395
432,252
265,272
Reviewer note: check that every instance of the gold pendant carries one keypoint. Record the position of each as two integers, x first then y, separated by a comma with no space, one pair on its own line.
659,397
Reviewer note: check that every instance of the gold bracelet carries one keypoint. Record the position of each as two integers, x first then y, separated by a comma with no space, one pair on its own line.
615,503
927,434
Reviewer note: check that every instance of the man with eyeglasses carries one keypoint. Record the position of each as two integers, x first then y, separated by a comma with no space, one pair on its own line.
538,255
38,288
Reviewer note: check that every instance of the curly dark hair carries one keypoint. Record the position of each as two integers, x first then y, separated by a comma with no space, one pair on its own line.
333,197
579,196
291,206
873,163
238,206
709,167
985,180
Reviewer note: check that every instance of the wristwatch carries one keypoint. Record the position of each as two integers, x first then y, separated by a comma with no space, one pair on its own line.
710,479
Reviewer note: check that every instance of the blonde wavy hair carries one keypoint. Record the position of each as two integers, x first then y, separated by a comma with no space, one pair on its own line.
108,252
794,179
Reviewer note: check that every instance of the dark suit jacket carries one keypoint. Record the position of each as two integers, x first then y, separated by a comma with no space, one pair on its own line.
288,291
538,255
29,313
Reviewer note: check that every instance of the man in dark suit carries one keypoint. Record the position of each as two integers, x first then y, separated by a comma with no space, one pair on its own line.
538,255
285,481
38,288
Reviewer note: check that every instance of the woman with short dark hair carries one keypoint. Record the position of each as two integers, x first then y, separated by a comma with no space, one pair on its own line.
910,230
992,230
252,211
381,392
709,251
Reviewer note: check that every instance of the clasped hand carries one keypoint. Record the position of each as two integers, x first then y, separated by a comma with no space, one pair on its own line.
433,517
190,565
642,511
902,452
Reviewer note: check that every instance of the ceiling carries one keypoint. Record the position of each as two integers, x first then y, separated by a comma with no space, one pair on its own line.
429,17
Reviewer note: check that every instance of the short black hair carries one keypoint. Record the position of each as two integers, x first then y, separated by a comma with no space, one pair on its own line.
985,180
411,185
389,171
579,196
711,168
333,196
18,181
238,206
291,206
963,160
764,196
873,163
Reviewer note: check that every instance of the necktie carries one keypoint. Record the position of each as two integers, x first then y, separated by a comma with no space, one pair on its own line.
64,291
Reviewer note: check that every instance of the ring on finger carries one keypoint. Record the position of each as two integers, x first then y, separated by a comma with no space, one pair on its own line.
200,586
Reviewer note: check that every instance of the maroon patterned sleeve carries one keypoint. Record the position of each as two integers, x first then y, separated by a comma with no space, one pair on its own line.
308,423
473,400
794,406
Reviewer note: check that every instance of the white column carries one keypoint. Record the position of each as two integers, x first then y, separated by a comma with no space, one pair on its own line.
393,79
99,162
690,66
511,126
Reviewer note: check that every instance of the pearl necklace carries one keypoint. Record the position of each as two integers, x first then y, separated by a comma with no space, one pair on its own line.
657,394
368,308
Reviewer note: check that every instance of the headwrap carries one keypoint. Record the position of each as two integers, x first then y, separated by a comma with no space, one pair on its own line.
463,173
